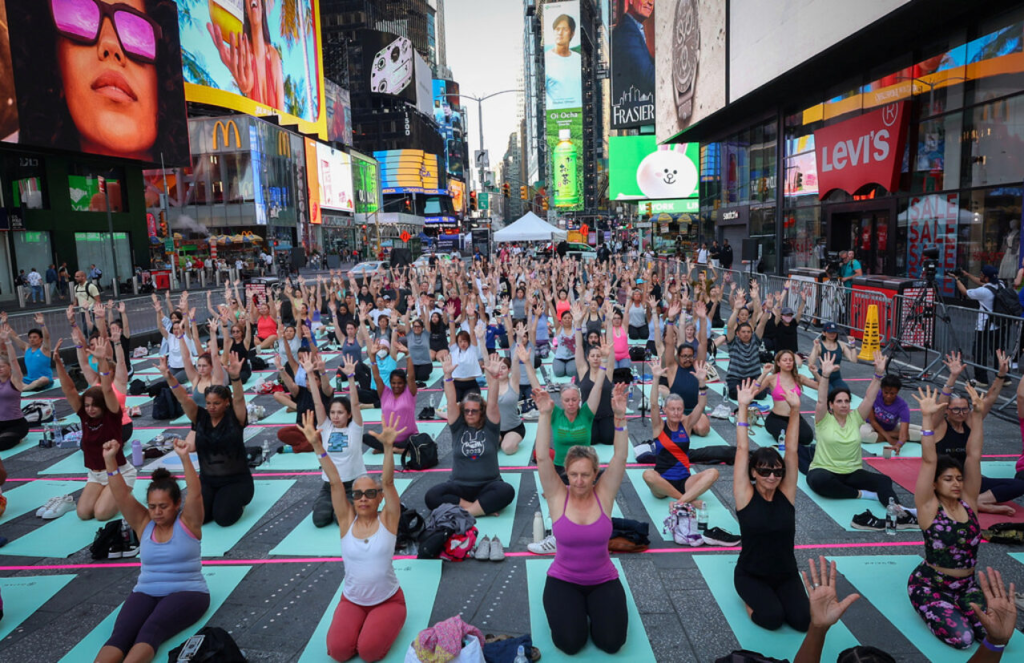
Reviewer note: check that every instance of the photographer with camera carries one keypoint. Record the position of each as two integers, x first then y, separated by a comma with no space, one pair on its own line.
985,329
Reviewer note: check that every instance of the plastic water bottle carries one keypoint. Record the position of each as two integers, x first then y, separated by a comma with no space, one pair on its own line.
137,453
538,527
521,656
694,521
782,443
433,401
891,514
266,450
337,382
702,518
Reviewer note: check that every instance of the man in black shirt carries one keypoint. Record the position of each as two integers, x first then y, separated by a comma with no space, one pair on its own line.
726,255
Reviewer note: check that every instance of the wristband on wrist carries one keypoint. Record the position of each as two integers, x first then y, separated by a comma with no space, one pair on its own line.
178,385
946,393
927,433
350,375
117,471
105,374
878,377
1000,377
79,346
743,423
323,455
992,647
449,379
623,428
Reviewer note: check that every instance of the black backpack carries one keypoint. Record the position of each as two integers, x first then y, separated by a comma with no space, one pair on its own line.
1005,301
410,525
420,453
166,407
211,644
136,388
432,542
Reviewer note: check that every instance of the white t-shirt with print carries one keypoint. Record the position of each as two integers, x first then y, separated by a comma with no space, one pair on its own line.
344,446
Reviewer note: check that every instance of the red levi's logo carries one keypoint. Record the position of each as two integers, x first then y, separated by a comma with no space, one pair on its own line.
863,150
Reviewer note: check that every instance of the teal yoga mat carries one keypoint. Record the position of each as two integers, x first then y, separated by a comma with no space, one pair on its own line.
419,579
222,580
307,540
24,595
637,648
501,525
783,643
841,511
616,511
883,581
656,509
521,458
74,464
218,540
31,441
282,416
33,494
909,450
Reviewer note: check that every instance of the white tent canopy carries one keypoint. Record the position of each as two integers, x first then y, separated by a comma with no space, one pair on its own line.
530,228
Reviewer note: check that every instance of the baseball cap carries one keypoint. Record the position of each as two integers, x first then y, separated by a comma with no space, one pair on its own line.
990,271
830,327
787,311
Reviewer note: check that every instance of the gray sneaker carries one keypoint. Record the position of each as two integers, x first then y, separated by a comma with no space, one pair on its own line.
482,549
497,553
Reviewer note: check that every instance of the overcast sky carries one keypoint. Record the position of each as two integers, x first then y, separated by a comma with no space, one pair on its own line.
484,39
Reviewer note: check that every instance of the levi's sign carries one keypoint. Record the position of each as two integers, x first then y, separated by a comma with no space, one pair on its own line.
864,150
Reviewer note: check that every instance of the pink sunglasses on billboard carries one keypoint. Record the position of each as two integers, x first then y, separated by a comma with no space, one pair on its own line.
81,20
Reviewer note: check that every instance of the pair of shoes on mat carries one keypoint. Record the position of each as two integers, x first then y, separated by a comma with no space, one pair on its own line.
717,536
488,549
545,547
56,507
868,522
126,545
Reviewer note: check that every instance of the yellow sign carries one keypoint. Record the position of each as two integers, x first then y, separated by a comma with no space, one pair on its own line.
871,341
284,146
224,129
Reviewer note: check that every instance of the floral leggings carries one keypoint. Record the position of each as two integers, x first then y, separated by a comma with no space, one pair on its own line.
944,604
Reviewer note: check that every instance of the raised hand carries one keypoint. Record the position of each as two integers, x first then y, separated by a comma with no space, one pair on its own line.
234,367
792,399
620,399
927,398
494,366
881,361
1000,614
977,402
542,399
953,363
826,608
38,318
110,449
658,371
181,447
447,366
1004,363
745,393
700,369
310,431
389,432
348,365
828,366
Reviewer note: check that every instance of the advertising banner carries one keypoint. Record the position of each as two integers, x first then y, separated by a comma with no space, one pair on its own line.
457,190
633,63
655,207
867,149
312,181
366,183
691,68
640,169
259,57
932,222
424,85
564,96
56,93
391,62
334,172
339,113
409,171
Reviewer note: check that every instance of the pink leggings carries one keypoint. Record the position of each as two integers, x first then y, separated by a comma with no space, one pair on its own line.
368,631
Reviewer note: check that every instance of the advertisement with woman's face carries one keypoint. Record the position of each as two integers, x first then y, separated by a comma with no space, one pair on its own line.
260,57
100,77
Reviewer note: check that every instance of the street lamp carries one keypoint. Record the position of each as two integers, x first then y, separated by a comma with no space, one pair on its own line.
480,110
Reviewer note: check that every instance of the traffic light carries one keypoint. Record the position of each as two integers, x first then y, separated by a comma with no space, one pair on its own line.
545,204
408,206
523,192
163,224
505,189
472,201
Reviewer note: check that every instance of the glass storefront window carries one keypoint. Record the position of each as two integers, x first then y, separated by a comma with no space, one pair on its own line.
801,234
32,249
736,168
993,142
940,78
763,151
989,230
994,59
84,188
937,157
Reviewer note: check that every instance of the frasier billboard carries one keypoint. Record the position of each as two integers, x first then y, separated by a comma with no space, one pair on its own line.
864,150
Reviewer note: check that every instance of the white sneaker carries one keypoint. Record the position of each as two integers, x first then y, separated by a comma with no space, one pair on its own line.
545,547
64,505
50,503
721,411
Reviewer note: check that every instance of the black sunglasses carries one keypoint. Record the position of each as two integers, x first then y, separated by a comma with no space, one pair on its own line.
470,410
370,494
768,471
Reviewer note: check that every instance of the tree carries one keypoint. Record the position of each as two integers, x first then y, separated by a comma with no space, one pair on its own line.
294,103
296,15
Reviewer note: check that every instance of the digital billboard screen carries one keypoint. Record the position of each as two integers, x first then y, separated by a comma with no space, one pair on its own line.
339,113
334,171
259,57
633,63
365,183
564,95
409,171
640,169
59,94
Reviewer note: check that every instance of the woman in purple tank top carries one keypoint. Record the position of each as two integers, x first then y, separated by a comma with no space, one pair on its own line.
583,593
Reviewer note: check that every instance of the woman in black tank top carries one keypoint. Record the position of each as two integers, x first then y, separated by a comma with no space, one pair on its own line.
766,575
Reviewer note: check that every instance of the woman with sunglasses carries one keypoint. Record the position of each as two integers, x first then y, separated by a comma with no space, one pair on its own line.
953,431
101,78
372,608
219,443
766,575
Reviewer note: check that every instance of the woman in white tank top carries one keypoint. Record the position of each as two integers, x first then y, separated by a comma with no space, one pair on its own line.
372,607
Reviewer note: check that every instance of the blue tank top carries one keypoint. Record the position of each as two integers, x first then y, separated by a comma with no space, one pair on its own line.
543,335
669,465
174,566
353,350
37,365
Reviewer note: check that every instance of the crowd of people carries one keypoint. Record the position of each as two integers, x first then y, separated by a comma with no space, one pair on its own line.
494,326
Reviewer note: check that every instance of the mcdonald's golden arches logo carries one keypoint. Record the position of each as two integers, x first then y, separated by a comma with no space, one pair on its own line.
224,130
284,146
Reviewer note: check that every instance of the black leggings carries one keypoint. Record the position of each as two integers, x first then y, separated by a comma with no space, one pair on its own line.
775,424
151,620
639,333
323,507
602,431
570,607
375,444
224,498
493,496
734,384
423,372
774,600
463,387
846,486
370,397
12,432
1004,490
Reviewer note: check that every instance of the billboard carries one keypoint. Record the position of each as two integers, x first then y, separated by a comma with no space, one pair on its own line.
365,183
640,169
339,113
61,93
409,171
690,70
259,57
564,97
457,190
334,175
633,63
424,85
